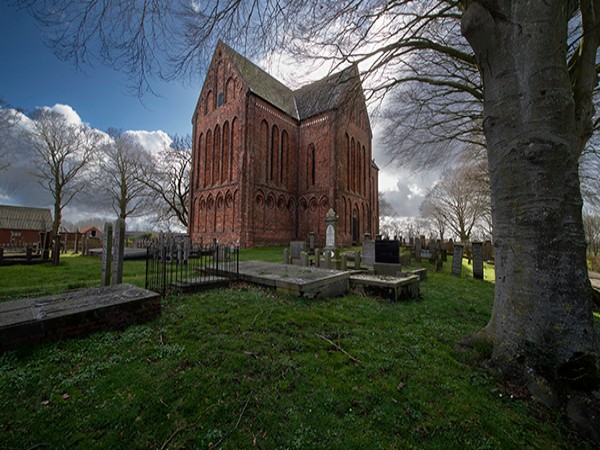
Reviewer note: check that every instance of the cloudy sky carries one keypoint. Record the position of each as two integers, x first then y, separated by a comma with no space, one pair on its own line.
33,77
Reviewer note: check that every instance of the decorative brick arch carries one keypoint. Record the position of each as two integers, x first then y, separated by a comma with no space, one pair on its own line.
324,203
271,201
281,203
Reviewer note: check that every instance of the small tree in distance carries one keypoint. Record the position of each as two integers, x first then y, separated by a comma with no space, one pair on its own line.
456,201
61,152
118,174
166,176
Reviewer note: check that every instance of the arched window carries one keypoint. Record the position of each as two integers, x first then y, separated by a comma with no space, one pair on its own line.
353,165
216,155
208,160
310,166
232,149
264,153
348,159
284,157
274,153
210,102
199,153
229,90
226,153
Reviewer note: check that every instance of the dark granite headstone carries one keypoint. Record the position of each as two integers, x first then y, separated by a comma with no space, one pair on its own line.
478,260
387,251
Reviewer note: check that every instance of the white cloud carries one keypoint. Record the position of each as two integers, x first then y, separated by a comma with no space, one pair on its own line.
152,141
20,187
69,113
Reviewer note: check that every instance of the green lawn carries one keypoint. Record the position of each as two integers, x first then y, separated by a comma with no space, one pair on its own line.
243,367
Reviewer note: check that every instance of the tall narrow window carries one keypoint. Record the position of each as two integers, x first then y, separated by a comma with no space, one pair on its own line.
283,157
216,155
232,149
199,168
313,166
226,151
264,151
353,166
274,153
348,158
310,166
208,159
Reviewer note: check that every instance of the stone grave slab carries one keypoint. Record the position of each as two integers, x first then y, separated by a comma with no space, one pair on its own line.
394,288
30,321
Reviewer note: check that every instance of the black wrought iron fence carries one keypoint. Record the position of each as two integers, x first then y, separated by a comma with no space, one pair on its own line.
172,263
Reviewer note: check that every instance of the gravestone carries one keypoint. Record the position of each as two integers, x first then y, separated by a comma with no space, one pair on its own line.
368,251
296,249
318,257
286,256
330,229
357,261
387,251
450,247
304,259
118,251
327,254
311,242
107,254
478,260
418,250
457,260
488,251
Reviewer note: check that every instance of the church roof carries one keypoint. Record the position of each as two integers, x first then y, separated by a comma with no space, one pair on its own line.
309,100
264,85
324,94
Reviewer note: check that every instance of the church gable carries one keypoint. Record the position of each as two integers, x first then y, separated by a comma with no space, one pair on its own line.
223,83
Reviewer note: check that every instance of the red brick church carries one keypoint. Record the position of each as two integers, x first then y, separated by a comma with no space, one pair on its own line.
269,162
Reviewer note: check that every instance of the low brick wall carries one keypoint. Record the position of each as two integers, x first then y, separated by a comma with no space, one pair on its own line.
28,322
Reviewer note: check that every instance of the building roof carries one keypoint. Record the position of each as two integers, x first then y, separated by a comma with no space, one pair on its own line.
25,218
312,99
88,229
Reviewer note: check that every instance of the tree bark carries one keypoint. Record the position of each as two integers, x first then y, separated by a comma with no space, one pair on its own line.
542,320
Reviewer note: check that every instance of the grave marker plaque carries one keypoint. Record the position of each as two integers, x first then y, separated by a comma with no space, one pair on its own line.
478,260
457,260
118,251
368,251
106,255
387,251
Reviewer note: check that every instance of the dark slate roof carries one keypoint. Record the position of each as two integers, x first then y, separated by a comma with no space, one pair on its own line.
309,100
24,218
264,85
325,94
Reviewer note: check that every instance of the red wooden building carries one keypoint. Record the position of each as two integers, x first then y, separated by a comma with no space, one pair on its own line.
20,227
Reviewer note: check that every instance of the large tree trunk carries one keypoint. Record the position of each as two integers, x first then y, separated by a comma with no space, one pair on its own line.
542,321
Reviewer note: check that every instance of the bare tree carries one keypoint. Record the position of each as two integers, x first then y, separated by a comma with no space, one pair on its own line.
118,174
61,153
457,202
167,178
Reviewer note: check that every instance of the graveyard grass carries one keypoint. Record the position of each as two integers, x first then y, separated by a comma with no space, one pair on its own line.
244,367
